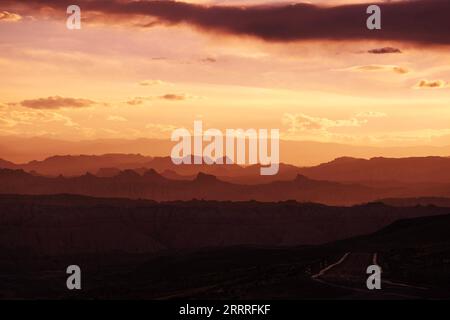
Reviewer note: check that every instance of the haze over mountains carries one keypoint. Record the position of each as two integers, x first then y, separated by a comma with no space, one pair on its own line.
151,185
300,153
344,181
344,169
412,169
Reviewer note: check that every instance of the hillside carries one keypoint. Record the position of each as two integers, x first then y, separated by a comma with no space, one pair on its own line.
65,224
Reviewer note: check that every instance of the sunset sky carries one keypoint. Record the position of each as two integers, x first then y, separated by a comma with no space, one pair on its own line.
144,69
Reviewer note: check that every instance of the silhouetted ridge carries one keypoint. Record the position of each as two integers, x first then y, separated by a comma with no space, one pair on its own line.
13,173
128,174
153,175
203,177
7,164
301,178
107,172
345,160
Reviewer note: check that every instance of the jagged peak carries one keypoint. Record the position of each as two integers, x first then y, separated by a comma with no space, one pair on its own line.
151,173
301,177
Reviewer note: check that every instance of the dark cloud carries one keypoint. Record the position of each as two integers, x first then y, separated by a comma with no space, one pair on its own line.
420,21
173,97
56,102
384,50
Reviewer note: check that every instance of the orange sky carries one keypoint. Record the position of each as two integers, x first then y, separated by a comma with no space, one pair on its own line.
116,80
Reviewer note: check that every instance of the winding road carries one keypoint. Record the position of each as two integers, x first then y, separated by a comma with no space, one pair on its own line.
349,273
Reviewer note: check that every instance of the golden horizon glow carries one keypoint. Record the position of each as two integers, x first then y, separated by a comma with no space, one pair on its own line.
128,82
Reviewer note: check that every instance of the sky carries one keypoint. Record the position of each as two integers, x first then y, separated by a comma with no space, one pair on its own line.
145,68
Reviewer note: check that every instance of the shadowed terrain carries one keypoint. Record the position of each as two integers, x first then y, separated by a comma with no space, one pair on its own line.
216,250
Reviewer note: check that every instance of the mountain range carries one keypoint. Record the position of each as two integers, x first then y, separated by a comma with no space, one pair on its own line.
343,181
343,169
299,153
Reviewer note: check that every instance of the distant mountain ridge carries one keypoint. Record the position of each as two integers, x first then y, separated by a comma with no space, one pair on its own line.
412,169
344,169
112,164
300,153
154,186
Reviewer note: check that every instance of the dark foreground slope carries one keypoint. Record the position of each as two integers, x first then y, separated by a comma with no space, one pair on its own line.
68,224
142,249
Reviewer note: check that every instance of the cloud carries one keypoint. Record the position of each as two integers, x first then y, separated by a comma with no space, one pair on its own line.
157,130
169,96
161,127
32,118
56,102
116,118
137,101
433,84
5,122
384,50
300,126
209,60
9,17
173,97
371,114
379,67
419,21
151,82
302,123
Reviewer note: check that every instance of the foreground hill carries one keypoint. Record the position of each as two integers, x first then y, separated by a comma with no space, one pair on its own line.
65,224
218,250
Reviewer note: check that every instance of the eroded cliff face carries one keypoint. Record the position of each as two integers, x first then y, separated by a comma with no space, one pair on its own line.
65,224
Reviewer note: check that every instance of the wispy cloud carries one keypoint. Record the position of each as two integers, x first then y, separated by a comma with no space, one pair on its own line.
56,102
158,130
301,122
138,101
9,17
116,118
12,117
378,67
371,114
146,83
173,97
